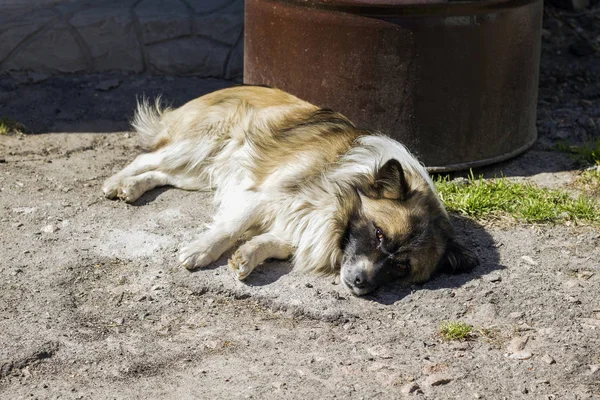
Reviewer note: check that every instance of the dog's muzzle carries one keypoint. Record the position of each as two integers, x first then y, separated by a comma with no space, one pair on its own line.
355,276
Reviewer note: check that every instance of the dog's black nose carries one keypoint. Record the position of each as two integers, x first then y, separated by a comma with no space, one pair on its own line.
360,281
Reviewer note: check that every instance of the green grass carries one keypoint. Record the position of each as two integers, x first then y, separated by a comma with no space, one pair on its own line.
589,182
456,330
495,198
9,127
588,154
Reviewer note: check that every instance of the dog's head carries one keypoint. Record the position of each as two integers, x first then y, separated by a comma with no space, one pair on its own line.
399,231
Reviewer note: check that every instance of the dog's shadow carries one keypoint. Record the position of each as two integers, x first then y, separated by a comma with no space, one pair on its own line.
269,272
150,196
263,275
474,236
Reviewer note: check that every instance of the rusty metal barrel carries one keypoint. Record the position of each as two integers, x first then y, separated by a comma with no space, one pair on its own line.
455,81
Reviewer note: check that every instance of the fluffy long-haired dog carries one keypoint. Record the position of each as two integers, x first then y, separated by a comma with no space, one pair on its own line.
295,180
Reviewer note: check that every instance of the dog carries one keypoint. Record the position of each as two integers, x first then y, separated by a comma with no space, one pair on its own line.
295,180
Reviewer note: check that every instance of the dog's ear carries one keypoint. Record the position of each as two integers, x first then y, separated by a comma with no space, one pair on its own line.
457,259
390,182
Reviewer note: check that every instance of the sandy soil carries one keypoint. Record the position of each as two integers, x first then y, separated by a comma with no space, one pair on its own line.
94,305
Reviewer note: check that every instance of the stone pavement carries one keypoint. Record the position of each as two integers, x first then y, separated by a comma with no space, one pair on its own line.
183,37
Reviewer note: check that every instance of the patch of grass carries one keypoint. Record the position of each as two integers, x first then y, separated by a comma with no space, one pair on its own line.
494,198
10,127
456,330
588,154
589,182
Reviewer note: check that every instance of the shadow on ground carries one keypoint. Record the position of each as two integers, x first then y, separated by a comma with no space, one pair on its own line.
91,103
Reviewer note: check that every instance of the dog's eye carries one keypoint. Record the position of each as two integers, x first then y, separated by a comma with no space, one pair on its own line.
379,235
405,265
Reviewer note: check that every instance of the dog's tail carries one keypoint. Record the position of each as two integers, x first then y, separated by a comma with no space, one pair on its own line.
148,123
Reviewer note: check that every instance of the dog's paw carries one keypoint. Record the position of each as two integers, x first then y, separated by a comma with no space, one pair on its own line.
192,257
240,264
111,188
130,190
127,189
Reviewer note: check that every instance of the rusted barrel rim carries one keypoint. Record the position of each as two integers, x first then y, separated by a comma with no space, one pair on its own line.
484,162
383,8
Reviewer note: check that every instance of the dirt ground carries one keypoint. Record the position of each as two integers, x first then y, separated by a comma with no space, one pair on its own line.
94,305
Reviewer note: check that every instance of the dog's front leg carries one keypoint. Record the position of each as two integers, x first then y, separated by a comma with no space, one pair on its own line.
257,250
229,225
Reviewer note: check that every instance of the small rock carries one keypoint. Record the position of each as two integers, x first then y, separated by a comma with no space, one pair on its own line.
411,387
571,283
581,48
546,34
587,122
26,373
585,275
520,355
493,278
337,295
524,327
278,385
380,352
126,135
432,369
516,315
50,228
529,260
108,84
547,358
517,344
461,182
212,344
437,380
594,368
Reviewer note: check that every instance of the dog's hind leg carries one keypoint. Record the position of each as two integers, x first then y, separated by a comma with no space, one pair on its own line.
143,163
150,170
257,250
133,187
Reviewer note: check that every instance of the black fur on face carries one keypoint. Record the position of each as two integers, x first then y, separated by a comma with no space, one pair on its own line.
370,258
